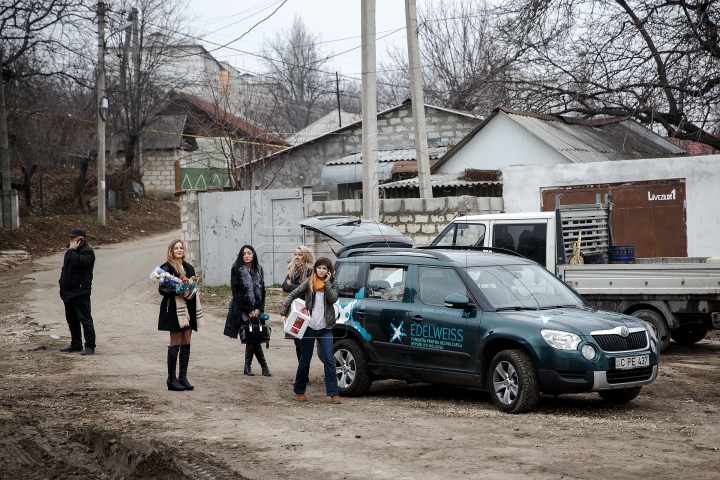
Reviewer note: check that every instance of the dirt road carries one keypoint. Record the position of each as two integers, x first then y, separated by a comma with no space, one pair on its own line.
111,416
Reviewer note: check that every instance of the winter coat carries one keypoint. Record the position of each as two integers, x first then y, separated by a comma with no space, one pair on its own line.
241,304
77,272
331,296
168,320
294,281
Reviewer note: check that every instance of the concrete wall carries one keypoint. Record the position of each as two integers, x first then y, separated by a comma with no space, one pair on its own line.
189,219
418,219
522,186
303,165
158,173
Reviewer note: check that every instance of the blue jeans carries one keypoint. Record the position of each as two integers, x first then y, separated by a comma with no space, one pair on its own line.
325,337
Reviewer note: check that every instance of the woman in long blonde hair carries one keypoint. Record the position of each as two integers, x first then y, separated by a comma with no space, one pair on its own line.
179,315
299,270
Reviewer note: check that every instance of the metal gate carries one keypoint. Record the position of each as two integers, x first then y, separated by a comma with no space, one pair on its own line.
265,219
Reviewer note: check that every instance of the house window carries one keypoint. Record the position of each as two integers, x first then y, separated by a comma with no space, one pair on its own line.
320,196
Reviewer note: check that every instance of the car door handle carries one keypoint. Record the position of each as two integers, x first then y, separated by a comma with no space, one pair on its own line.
417,318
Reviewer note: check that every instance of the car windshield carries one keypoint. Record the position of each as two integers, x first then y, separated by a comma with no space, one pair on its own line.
520,287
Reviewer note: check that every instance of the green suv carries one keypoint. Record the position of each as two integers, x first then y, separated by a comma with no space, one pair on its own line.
480,319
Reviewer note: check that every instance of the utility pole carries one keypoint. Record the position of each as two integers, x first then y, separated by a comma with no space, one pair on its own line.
100,85
136,85
371,200
337,90
418,102
6,195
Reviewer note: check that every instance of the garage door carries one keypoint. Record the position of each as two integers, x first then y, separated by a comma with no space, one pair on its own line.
648,215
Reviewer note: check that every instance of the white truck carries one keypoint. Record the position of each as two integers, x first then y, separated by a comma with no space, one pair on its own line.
679,298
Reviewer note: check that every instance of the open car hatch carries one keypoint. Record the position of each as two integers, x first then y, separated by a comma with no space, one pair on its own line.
354,232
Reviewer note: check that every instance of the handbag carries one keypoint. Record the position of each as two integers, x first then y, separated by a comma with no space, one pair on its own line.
296,323
253,331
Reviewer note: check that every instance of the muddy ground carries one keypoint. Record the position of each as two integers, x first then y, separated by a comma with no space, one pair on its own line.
111,416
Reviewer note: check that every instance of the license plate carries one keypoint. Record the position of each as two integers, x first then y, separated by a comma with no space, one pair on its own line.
625,363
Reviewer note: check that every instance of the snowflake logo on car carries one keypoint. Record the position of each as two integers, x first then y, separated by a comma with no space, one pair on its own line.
397,333
623,331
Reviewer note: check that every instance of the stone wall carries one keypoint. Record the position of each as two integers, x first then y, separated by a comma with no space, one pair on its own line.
303,165
190,221
418,219
158,173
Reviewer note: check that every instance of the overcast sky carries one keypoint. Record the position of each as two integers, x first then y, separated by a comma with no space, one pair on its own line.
338,21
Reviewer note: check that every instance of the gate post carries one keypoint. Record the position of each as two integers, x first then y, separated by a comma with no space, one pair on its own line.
190,221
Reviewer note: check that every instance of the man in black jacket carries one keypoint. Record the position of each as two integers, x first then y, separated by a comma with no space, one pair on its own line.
75,285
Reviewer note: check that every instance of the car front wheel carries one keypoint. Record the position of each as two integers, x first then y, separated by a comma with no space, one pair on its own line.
353,375
513,381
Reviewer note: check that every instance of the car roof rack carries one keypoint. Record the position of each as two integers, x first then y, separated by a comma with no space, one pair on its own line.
473,248
410,252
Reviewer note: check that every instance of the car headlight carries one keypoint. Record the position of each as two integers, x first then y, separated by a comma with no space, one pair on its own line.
561,340
653,344
588,351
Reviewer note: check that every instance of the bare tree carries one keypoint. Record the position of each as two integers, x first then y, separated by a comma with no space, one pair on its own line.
658,62
162,57
38,40
297,66
464,63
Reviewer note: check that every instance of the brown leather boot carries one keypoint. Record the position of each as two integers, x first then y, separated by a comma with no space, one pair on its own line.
335,399
300,397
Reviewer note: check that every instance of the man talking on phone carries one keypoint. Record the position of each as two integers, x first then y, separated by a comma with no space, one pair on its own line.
75,285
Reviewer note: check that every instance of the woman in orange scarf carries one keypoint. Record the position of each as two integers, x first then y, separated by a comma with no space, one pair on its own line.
320,294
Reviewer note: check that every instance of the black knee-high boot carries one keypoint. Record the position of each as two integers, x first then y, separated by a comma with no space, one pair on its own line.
172,358
184,359
248,359
257,348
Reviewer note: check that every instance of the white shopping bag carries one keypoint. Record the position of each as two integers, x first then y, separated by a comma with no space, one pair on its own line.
296,323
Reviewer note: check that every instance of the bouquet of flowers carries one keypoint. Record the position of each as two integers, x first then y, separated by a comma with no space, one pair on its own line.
186,288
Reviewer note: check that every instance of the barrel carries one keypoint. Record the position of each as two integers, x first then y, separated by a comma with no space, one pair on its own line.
624,254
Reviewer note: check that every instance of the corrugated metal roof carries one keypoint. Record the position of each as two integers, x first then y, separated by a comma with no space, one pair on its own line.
164,133
320,127
622,140
438,180
391,155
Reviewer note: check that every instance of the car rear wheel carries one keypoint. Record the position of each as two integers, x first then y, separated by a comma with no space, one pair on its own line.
621,395
657,324
688,337
513,381
353,375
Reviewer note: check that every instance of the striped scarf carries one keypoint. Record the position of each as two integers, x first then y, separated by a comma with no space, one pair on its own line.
183,314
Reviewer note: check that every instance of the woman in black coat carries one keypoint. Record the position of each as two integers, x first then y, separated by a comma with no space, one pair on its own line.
248,301
299,270
180,327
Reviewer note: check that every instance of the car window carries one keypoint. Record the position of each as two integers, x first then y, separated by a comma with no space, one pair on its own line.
527,239
347,279
463,234
436,283
386,282
522,286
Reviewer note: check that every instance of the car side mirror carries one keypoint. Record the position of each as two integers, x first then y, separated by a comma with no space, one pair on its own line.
457,300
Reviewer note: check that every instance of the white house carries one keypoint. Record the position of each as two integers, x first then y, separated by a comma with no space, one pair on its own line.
510,137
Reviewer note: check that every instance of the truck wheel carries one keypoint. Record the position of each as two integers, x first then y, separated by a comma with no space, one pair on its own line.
657,325
688,337
513,381
353,375
619,396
